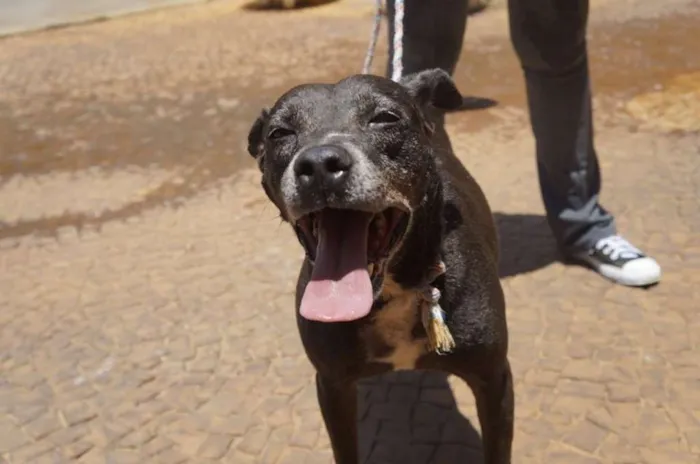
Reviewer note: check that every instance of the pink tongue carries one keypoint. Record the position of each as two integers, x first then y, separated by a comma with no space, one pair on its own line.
340,287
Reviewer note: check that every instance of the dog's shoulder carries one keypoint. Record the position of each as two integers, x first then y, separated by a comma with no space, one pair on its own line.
472,292
466,212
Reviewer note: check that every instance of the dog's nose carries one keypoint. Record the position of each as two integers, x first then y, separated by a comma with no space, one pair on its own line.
326,166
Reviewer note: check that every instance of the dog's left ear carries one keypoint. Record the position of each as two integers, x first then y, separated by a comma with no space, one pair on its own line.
255,137
433,87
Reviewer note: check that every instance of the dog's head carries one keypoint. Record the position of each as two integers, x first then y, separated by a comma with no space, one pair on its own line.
349,165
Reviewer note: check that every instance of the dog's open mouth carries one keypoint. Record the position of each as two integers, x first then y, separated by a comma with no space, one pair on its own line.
349,249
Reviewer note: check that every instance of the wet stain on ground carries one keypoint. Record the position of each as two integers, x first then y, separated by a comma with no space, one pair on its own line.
626,60
672,106
199,138
187,131
199,131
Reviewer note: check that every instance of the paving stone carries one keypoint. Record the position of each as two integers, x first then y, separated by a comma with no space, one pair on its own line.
147,284
255,440
77,449
581,389
77,413
569,457
158,446
586,436
64,437
122,457
582,369
456,453
49,458
306,433
652,456
215,446
294,456
32,451
621,393
11,436
169,456
25,413
542,378
137,438
43,426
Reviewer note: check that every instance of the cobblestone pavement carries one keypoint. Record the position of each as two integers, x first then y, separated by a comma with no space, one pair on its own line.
146,285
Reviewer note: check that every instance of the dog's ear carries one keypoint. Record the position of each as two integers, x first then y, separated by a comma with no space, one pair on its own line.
255,137
433,87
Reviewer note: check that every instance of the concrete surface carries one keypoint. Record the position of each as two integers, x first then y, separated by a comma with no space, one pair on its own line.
25,15
146,285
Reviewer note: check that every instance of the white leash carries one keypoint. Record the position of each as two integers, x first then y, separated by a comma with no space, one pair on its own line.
396,39
397,62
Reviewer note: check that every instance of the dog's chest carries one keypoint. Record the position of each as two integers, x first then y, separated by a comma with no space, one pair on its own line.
395,336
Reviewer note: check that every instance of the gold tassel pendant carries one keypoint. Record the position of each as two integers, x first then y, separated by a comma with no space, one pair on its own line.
433,317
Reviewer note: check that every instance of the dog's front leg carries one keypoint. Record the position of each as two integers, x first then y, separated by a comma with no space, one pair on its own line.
495,407
338,404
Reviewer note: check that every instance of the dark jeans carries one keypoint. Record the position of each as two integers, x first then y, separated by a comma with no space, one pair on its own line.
549,37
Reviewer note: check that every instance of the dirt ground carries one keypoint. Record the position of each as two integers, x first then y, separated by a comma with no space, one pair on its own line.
146,285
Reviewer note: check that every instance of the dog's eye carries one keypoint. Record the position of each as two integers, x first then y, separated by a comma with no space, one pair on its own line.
277,133
384,117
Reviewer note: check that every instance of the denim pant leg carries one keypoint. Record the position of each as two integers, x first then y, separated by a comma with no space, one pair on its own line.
433,37
433,34
549,37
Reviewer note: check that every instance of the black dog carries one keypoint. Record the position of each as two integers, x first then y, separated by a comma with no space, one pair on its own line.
365,174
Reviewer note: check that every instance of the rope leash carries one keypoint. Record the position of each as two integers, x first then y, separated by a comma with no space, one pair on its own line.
369,57
397,62
396,39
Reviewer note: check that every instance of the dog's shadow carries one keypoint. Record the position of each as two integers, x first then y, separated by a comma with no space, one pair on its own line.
412,417
526,243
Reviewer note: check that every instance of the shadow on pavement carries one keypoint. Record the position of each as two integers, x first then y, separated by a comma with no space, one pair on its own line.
526,243
411,417
282,5
471,102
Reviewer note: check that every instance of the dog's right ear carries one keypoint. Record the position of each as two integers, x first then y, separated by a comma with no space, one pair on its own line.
256,146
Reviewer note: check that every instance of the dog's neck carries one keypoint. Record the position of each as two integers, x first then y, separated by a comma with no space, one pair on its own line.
421,248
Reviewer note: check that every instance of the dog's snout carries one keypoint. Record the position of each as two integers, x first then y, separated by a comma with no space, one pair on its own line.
323,166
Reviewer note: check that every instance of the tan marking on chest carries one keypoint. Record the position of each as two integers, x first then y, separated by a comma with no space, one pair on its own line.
394,324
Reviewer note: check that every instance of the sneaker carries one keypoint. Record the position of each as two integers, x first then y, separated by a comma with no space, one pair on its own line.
620,261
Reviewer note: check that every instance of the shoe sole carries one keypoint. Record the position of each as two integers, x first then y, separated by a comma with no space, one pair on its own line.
614,274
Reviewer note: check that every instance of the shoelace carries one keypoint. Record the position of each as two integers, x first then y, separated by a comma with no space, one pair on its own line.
617,247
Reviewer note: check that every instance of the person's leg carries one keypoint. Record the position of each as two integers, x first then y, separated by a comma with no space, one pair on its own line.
549,37
433,34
